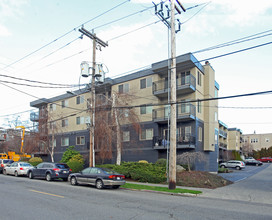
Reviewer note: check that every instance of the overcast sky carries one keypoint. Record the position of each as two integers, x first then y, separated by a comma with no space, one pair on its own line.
39,40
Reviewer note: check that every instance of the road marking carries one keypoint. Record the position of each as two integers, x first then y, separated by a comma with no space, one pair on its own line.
240,180
47,193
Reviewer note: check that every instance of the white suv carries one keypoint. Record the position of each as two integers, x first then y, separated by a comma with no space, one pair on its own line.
237,164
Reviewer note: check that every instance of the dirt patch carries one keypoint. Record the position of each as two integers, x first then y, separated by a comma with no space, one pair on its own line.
201,179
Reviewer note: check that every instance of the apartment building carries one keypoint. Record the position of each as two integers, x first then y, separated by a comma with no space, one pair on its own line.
257,141
223,141
64,117
235,139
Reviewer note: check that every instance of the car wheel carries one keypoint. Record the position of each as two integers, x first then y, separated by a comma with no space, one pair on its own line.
4,172
268,161
115,187
30,175
73,181
223,166
48,177
257,164
16,173
99,184
238,168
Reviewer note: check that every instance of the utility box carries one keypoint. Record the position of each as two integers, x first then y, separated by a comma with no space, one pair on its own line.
99,73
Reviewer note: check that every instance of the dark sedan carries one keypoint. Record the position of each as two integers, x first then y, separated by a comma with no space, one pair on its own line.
99,177
50,171
253,162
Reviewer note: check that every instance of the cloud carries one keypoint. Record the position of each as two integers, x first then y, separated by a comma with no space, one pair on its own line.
4,32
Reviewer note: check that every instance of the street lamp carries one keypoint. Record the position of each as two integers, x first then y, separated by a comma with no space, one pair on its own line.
92,152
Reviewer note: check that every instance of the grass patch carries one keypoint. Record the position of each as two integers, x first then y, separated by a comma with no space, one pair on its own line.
158,188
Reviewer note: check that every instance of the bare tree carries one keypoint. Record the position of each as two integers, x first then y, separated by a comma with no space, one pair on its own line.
247,149
190,157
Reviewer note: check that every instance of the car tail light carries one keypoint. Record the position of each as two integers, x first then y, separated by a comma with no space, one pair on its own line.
70,170
21,168
114,176
2,165
56,169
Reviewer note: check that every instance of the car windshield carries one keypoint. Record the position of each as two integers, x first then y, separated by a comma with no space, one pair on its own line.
62,166
8,161
108,171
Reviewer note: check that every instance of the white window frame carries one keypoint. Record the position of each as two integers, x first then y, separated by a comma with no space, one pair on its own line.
148,133
126,136
80,140
65,141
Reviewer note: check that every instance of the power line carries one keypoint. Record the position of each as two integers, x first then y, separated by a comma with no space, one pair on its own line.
74,29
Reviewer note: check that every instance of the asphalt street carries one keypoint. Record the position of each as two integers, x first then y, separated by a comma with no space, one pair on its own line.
23,198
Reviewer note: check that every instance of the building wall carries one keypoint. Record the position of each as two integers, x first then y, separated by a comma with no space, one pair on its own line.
234,139
258,141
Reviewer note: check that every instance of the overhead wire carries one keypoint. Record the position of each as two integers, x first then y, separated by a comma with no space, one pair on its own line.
35,51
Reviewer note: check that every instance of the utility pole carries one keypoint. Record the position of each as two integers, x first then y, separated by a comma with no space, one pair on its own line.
96,41
173,99
170,13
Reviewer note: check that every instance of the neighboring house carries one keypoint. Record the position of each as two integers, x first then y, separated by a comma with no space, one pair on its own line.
257,141
197,122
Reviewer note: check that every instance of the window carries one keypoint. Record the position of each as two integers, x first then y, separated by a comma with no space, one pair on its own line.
199,78
80,140
145,110
53,125
124,88
254,140
80,120
126,136
64,103
200,134
52,107
199,107
64,141
145,83
267,140
79,99
64,123
146,134
53,143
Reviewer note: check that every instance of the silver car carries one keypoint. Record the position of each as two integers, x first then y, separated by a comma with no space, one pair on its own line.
237,164
17,168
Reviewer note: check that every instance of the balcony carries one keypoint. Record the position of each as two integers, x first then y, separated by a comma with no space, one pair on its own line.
223,133
185,84
185,112
183,142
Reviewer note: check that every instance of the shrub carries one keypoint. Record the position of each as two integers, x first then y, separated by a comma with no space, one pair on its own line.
77,157
143,172
142,161
161,162
75,165
68,154
34,161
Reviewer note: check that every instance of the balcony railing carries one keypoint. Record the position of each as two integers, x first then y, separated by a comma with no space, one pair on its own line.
185,84
223,133
185,111
183,141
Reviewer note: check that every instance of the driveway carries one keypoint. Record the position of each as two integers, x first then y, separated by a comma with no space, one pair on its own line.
254,188
238,175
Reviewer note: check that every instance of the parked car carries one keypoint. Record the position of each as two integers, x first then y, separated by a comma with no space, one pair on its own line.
253,162
99,177
4,163
50,171
17,168
237,164
265,159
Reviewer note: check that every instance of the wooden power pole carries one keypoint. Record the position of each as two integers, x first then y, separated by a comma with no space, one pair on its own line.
173,98
96,41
